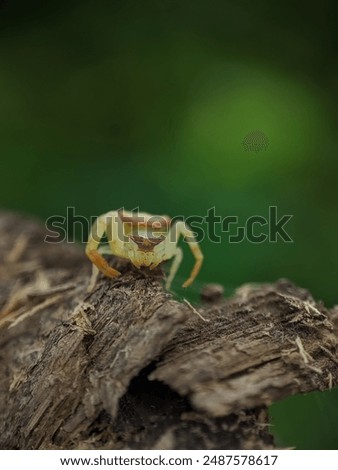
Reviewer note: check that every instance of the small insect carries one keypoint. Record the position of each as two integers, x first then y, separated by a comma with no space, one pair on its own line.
144,239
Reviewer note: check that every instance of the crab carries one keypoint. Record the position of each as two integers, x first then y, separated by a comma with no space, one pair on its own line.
144,239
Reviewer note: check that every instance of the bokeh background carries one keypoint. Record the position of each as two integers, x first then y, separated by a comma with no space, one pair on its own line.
134,103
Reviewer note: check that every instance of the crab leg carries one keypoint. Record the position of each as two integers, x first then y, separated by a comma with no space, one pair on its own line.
97,231
182,229
174,267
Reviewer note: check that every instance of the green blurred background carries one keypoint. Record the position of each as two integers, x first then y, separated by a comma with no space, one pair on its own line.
106,104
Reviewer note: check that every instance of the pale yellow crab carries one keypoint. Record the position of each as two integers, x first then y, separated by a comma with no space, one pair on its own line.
144,239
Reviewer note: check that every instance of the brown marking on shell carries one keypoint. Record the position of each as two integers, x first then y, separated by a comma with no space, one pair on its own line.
147,244
164,221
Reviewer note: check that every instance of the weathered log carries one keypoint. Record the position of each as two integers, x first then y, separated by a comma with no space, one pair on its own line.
127,366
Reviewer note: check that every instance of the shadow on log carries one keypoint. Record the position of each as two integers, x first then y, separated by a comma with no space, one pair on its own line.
128,367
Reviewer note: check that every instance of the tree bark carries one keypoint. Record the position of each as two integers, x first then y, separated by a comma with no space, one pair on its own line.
128,366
